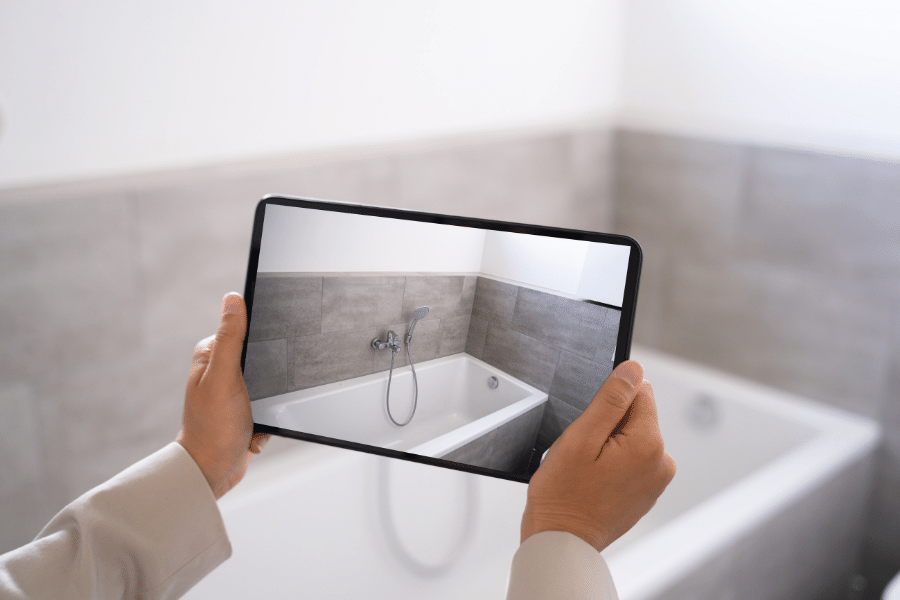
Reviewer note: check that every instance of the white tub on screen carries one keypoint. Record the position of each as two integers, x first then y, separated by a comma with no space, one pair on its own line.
320,522
455,405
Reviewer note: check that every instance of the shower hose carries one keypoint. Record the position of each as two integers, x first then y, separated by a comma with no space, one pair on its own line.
415,383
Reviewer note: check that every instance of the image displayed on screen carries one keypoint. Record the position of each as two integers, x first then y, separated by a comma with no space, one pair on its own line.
457,343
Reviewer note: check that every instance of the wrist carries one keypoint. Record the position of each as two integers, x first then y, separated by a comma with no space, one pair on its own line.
534,523
208,472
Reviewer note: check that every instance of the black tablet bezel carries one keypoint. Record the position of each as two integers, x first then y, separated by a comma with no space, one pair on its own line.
626,322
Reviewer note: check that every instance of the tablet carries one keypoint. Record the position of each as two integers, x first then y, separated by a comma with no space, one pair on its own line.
451,341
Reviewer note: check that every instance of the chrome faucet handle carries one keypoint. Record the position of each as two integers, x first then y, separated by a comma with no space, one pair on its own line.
393,342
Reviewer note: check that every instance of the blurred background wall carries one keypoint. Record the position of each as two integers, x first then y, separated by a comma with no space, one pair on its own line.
751,147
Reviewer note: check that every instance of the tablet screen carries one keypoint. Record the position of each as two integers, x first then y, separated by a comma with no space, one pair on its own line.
458,342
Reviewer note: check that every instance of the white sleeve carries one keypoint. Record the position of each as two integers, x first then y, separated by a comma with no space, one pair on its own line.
151,532
555,565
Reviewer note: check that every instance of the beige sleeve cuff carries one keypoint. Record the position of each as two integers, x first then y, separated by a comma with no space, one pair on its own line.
555,565
152,531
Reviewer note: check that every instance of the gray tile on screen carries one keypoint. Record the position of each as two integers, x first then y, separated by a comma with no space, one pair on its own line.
565,323
265,369
494,301
577,379
476,453
328,357
557,416
286,307
444,295
476,336
514,441
354,302
454,332
528,359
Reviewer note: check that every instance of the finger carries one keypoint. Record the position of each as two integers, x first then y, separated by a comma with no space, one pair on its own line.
258,442
609,405
202,352
643,420
229,341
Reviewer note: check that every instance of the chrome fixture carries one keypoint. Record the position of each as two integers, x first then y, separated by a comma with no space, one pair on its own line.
393,342
493,382
419,313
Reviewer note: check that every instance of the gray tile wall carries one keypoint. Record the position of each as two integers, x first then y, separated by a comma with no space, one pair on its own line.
107,285
777,265
561,346
508,448
781,266
309,330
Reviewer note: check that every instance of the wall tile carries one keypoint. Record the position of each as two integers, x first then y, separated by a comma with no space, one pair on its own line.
591,173
194,239
883,531
370,180
561,322
824,213
557,416
99,420
328,357
23,473
521,356
790,329
286,307
514,441
577,380
70,295
265,370
356,302
476,453
523,180
476,336
442,294
607,341
495,301
678,192
454,332
425,344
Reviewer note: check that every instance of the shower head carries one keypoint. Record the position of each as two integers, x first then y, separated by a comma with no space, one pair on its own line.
419,313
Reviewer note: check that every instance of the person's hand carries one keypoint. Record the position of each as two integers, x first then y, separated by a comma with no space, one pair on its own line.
607,468
217,427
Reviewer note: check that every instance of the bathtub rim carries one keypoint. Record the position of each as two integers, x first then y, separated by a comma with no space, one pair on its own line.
535,398
685,543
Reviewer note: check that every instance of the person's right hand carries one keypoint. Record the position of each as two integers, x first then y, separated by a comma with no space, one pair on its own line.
601,476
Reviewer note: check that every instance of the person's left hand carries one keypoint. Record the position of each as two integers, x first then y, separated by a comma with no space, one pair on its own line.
217,426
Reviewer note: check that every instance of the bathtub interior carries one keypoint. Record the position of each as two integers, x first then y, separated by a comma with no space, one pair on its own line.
454,396
409,530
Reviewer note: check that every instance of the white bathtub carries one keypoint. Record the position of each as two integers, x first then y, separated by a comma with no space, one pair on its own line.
455,406
762,506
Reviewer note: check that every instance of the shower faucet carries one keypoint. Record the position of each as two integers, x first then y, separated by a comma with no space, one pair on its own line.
393,342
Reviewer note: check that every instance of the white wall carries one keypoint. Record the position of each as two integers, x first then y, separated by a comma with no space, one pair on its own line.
818,74
312,241
102,87
583,269
309,241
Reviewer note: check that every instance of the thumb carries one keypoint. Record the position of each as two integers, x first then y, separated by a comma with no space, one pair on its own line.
226,351
608,408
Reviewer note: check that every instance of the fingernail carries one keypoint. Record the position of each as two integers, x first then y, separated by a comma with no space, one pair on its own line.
231,304
630,372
